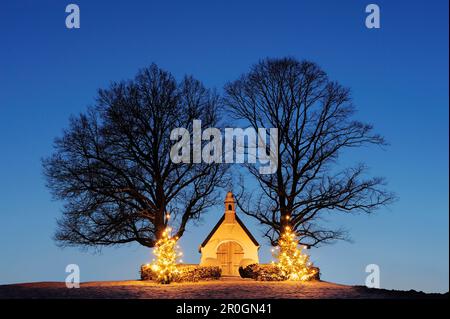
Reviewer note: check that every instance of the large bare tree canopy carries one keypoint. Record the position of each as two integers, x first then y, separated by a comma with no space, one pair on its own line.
314,117
112,166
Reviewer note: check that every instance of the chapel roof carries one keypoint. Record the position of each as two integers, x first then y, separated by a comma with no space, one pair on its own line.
249,234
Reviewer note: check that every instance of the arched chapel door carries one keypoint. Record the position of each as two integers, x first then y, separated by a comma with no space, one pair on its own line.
229,255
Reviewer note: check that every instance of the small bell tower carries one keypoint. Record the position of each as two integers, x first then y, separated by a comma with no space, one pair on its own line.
230,211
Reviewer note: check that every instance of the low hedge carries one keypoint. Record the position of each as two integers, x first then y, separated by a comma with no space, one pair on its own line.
249,271
268,272
186,273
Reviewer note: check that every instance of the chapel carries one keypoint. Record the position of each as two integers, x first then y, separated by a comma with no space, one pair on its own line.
230,244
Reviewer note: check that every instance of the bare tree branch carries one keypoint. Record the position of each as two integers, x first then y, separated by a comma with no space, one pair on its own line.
112,168
314,120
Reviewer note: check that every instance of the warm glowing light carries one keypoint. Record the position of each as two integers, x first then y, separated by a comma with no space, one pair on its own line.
155,267
293,263
166,256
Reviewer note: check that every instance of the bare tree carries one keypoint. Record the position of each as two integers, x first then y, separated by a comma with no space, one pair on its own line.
314,120
112,167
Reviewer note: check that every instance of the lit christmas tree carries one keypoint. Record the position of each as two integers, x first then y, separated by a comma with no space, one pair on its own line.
293,263
166,254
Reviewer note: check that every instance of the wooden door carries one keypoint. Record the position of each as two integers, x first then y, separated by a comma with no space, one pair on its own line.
230,255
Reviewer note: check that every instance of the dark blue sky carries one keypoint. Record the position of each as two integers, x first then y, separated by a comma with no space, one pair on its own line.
398,75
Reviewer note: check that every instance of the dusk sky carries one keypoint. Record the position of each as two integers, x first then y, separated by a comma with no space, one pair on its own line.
398,75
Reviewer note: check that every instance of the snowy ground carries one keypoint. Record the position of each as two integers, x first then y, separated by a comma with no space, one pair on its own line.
224,288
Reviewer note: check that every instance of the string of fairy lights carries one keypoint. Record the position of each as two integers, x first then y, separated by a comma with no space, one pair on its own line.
167,253
292,263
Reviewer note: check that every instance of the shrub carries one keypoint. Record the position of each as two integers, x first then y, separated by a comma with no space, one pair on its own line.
196,273
249,271
264,272
317,273
147,273
261,272
186,273
269,273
